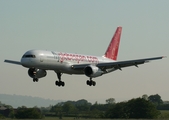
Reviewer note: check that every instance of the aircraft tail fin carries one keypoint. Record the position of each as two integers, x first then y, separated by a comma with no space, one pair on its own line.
112,50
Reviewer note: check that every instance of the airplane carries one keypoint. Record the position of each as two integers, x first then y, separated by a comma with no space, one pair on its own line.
39,61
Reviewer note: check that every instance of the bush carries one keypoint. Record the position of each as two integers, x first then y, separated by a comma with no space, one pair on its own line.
28,113
2,117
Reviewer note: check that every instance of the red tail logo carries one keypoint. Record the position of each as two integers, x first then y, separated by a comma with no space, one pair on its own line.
112,50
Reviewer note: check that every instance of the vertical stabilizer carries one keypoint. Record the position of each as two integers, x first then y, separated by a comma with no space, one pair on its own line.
112,50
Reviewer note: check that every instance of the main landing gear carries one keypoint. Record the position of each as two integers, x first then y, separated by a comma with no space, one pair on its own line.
90,82
59,83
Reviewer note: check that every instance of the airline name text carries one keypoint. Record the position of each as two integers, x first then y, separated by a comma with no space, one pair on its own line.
78,58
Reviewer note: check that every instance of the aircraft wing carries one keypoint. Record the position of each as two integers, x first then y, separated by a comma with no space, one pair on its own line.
118,64
13,62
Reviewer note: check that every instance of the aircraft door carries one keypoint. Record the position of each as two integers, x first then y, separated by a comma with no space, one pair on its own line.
41,57
56,56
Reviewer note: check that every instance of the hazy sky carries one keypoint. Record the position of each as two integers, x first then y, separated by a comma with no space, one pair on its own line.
86,26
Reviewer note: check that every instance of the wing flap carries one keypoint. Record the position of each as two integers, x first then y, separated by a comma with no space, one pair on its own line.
128,63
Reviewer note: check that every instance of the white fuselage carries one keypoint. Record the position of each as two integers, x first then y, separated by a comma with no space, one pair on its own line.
59,61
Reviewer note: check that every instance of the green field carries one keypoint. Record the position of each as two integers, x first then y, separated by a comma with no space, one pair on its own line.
164,115
69,118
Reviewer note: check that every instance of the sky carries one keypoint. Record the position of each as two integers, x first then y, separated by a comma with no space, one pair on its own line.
86,27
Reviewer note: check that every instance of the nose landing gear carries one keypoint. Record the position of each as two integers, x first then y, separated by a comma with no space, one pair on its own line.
35,80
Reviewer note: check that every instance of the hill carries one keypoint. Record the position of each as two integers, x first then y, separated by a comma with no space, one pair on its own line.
28,101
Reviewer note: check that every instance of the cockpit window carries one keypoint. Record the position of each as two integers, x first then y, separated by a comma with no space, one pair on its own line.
28,56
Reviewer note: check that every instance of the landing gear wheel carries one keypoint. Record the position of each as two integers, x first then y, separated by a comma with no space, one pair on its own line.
60,83
35,79
87,82
94,83
57,83
90,82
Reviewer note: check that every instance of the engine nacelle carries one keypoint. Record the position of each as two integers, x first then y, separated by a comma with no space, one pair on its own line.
92,71
36,73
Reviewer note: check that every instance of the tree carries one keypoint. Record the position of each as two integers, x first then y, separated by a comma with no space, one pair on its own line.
2,117
141,108
134,108
117,111
156,99
69,108
28,113
12,114
81,102
83,107
145,96
110,101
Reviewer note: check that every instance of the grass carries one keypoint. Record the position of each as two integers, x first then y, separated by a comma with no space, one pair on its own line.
164,114
55,118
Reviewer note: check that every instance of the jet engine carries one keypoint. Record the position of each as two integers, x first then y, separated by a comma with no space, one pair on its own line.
92,71
36,73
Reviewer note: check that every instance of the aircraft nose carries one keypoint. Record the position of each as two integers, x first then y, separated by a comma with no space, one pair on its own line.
28,59
25,62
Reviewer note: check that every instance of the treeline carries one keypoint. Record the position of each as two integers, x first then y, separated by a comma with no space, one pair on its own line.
134,108
21,113
143,107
